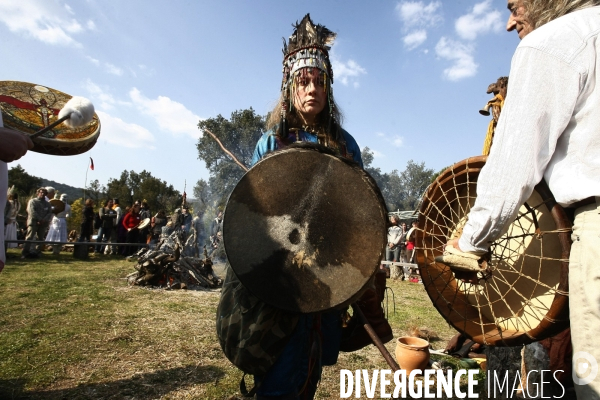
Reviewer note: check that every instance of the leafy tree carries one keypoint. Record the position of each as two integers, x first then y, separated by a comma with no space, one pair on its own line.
239,135
381,178
74,221
96,192
132,186
25,184
415,179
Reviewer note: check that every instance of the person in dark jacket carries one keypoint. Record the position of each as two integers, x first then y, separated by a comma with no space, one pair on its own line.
87,224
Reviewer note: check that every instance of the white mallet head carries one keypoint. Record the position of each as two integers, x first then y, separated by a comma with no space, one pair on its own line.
80,109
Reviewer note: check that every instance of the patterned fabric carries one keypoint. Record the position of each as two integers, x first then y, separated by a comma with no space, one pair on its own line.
252,334
269,142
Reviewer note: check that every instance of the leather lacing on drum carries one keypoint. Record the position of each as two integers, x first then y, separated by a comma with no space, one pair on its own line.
446,204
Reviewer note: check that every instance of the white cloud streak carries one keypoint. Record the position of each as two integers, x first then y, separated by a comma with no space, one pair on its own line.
112,69
117,132
482,19
346,72
461,55
169,115
415,39
417,17
45,20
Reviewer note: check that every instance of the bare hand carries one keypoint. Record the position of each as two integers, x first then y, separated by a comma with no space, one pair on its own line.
454,243
14,145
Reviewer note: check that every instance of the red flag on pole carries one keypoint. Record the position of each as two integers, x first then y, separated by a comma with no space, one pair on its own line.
91,164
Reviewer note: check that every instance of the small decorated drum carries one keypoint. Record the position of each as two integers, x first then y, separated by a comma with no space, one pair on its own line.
27,108
144,223
304,230
522,295
57,206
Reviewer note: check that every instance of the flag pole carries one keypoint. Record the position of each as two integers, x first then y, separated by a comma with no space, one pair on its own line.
91,166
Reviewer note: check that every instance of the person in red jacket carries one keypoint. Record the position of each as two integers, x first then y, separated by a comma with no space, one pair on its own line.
131,222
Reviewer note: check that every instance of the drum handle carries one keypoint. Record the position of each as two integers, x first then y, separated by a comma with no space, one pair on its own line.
376,340
51,126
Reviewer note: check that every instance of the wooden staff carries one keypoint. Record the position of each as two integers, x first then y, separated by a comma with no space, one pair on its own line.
376,340
230,154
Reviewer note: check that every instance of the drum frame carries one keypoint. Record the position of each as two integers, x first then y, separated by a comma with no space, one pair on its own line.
466,318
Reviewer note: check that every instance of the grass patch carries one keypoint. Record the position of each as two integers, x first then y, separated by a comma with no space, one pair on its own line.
73,329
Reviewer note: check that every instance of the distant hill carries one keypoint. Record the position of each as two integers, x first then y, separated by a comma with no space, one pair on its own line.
73,192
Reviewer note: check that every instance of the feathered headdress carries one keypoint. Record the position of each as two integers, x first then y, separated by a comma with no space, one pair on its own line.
308,47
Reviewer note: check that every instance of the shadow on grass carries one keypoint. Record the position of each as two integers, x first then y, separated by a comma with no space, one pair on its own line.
142,386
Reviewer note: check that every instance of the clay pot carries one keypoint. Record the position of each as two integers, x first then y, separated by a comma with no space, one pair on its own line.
412,353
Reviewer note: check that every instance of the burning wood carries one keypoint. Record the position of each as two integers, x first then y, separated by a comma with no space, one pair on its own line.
166,268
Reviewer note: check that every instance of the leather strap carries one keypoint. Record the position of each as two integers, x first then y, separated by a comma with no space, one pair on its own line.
584,202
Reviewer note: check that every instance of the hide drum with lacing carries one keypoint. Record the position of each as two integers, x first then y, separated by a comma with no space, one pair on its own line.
27,107
523,295
305,231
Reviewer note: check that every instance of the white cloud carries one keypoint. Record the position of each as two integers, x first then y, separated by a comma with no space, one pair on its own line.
112,69
415,39
93,60
482,19
417,14
377,154
397,141
91,25
44,20
106,100
416,17
461,55
169,115
346,72
118,132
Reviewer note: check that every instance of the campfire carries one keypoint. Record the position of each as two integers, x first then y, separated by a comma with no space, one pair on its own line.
165,267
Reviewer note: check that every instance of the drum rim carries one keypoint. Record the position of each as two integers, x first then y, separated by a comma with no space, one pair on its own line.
557,317
311,147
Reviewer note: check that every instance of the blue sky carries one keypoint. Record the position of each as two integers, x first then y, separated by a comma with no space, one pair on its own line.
410,76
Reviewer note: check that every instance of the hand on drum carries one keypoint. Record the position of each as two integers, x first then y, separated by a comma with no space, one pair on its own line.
14,145
464,276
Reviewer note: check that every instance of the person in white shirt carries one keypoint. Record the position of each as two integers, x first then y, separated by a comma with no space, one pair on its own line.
549,129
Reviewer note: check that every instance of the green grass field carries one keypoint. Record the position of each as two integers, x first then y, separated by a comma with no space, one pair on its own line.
72,329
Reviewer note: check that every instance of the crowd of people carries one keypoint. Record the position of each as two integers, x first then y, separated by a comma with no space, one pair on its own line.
110,224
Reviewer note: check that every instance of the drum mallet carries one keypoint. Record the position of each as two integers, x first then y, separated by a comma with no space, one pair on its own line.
376,341
77,112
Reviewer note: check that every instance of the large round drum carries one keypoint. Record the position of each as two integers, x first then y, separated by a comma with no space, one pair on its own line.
27,107
523,294
305,231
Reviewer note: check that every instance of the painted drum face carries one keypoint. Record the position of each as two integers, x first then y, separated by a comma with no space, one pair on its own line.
27,108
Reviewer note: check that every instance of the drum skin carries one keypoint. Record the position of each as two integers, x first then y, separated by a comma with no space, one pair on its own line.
27,108
523,296
305,231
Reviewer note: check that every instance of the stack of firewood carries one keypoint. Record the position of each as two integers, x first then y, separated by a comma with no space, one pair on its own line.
165,268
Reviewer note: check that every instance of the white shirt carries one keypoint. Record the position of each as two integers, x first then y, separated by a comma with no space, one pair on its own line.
549,126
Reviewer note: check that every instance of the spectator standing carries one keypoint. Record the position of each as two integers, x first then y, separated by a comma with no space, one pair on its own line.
187,220
108,218
144,213
114,237
410,243
58,226
198,231
392,251
87,223
157,223
39,214
13,205
131,220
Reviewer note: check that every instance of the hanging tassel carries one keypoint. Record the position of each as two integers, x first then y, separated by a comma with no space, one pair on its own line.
283,124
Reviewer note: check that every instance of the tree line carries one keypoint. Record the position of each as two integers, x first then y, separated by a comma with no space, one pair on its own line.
401,190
